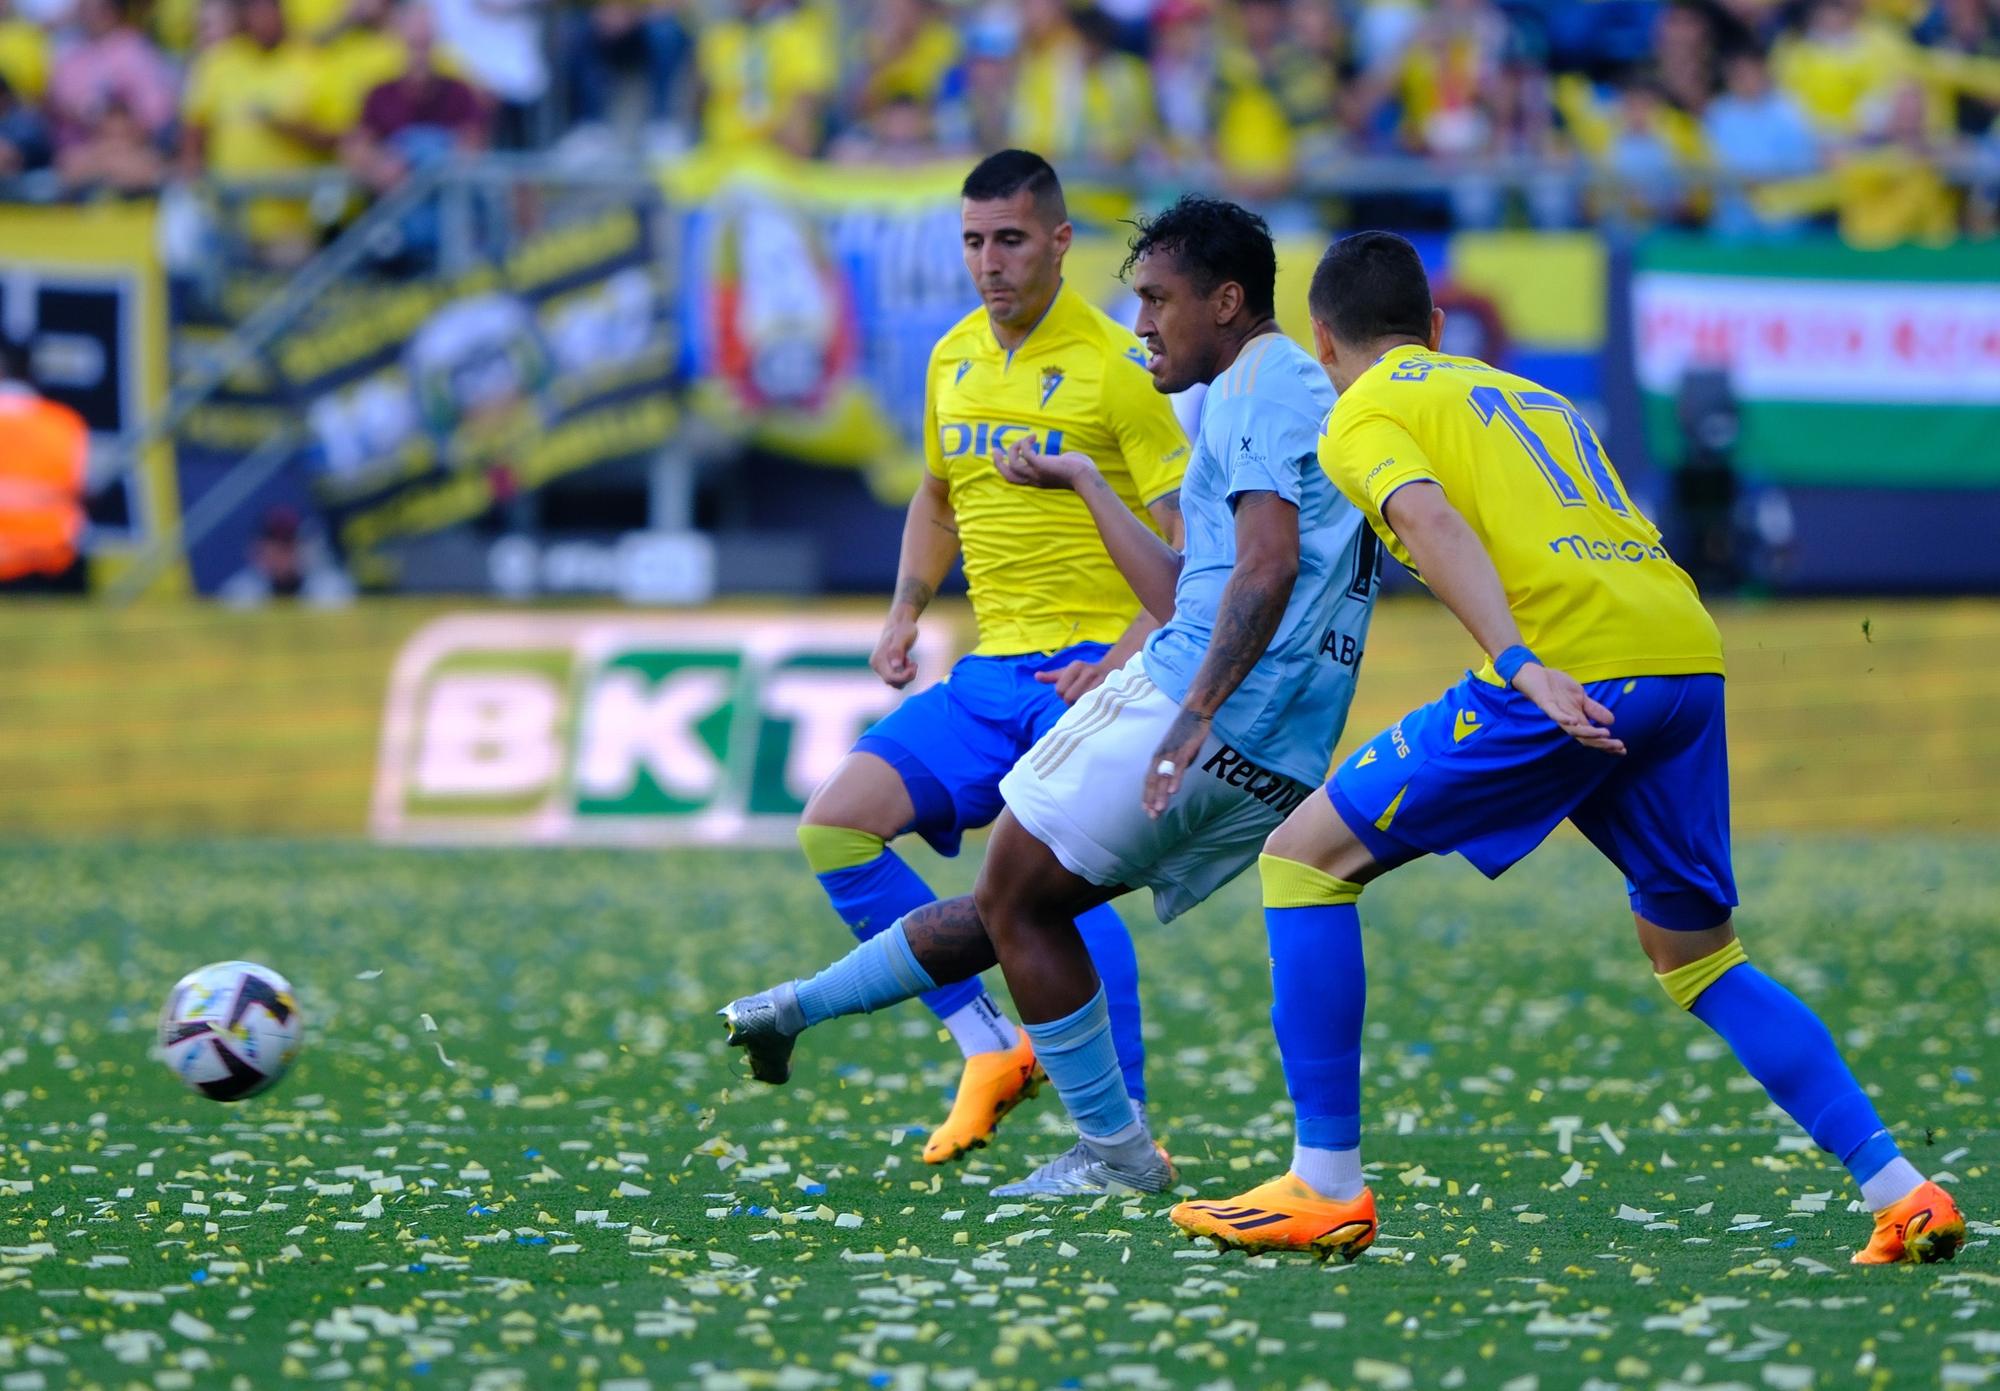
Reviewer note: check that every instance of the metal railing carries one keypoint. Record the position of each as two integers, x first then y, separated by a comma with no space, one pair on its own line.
476,205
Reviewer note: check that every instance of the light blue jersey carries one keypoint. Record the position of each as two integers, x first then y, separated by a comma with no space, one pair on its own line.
1260,433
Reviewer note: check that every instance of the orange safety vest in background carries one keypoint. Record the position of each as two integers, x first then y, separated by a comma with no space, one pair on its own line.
44,449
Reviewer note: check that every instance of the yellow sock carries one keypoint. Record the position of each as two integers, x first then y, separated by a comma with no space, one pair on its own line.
1289,884
1684,984
830,848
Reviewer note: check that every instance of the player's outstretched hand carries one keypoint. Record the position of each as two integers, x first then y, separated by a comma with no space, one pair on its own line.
1074,681
891,658
1177,751
1020,463
1558,695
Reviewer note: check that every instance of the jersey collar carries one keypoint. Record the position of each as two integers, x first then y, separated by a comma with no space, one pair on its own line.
1062,288
1399,348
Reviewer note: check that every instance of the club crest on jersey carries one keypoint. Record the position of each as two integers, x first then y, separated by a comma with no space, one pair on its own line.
1052,377
963,367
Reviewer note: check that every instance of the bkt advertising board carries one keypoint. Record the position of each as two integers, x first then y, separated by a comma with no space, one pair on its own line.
618,730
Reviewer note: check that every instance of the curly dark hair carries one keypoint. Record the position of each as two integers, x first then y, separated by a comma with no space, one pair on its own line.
1213,241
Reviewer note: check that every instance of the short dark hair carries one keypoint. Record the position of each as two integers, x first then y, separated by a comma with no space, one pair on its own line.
1214,241
1372,286
1008,172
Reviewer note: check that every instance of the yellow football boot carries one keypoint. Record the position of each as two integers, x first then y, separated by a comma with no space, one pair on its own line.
1283,1215
1916,1230
991,1085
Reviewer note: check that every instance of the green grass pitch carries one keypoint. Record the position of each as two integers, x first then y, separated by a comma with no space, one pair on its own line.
516,1154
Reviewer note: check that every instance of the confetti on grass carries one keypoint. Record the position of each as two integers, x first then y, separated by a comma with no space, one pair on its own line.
593,1195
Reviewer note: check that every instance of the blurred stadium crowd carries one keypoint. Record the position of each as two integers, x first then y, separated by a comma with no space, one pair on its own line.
1753,117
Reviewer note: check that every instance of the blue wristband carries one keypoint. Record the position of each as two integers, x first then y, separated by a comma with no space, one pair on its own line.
1511,661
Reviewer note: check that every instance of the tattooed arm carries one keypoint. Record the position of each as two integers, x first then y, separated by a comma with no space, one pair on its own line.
930,544
1248,614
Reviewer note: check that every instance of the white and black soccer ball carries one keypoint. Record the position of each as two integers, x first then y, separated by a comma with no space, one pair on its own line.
231,1029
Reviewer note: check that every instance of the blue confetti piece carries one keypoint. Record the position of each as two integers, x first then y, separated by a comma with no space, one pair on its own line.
531,1241
199,1277
422,1369
878,1378
814,1189
1963,1074
1787,1244
531,1154
418,1268
480,1210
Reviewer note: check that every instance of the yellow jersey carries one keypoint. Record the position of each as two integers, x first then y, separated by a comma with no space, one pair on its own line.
1040,577
24,59
232,88
1594,592
352,64
753,71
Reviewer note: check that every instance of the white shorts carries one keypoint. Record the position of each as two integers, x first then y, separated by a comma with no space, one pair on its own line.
1077,792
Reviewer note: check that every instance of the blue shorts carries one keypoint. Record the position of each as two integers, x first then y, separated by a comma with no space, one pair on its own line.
1484,773
953,743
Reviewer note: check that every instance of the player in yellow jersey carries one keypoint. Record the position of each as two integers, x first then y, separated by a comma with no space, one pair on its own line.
1036,360
1600,702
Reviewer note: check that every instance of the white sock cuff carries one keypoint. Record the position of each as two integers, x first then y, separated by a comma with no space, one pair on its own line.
980,1026
1332,1174
1894,1182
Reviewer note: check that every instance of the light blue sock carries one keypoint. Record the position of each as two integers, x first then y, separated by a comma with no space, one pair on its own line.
1109,943
1783,1044
1077,1053
1319,988
870,896
882,971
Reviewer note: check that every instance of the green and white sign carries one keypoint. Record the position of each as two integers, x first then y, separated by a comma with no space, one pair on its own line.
625,730
1873,369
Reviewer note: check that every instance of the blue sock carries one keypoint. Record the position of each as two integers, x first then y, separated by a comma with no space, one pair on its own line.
881,971
870,896
1784,1046
1110,947
1319,989
1077,1053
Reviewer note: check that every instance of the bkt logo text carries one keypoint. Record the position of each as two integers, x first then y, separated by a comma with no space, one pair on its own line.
623,730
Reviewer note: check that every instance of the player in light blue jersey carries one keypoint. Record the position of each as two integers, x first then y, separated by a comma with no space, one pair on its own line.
1258,419
1170,775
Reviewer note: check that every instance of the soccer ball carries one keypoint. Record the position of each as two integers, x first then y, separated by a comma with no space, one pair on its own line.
231,1029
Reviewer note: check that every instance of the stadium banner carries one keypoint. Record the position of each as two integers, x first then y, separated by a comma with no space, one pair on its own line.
83,291
813,294
191,719
625,730
429,402
1854,368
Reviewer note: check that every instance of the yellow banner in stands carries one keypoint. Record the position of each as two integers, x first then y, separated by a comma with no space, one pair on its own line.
83,291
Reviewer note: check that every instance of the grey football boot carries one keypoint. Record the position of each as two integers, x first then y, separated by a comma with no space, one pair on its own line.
765,1026
1080,1171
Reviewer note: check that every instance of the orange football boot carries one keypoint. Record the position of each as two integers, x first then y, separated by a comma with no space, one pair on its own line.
1916,1230
991,1085
1283,1215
